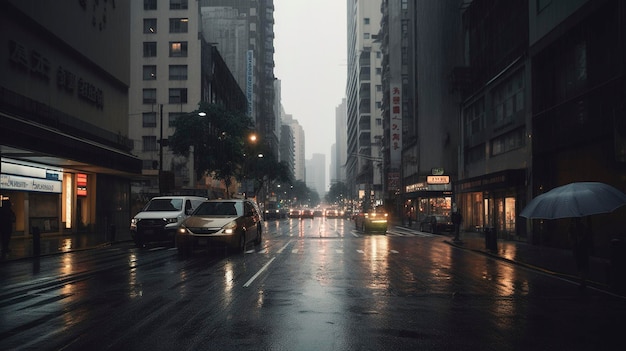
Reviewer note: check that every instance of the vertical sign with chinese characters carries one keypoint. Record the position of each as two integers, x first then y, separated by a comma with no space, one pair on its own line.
395,125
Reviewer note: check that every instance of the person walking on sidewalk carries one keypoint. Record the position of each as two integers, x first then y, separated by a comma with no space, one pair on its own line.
580,236
7,218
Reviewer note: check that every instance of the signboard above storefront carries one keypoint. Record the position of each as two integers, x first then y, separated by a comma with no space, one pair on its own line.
438,179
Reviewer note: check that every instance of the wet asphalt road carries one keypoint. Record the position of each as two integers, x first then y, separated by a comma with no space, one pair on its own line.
313,284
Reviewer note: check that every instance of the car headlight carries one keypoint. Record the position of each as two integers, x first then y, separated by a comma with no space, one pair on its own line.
170,220
133,223
230,228
182,230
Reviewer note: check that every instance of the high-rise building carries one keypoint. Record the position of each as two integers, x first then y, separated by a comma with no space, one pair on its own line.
299,150
250,23
364,100
316,174
340,155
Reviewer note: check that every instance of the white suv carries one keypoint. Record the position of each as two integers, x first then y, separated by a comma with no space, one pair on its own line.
160,218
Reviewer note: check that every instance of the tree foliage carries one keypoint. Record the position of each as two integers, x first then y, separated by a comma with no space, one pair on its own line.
217,138
337,193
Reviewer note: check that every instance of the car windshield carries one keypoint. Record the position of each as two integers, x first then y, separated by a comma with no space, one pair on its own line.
219,208
164,205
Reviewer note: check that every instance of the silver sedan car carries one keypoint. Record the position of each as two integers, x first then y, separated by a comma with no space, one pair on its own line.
232,223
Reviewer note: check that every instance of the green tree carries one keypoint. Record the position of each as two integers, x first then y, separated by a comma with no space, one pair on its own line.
217,136
337,193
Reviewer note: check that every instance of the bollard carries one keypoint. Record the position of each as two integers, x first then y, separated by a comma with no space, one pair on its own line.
491,239
36,242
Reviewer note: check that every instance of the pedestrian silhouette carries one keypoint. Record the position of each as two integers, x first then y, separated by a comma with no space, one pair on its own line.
457,218
7,218
581,238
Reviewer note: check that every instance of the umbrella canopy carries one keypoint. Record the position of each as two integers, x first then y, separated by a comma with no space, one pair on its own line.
575,200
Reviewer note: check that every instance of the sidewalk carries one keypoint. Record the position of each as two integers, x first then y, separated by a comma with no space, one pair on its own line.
554,261
22,247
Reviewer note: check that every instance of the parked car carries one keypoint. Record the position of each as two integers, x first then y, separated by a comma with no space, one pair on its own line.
437,224
232,223
159,219
374,220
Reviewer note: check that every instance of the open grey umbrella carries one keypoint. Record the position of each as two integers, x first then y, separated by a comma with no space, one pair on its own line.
575,200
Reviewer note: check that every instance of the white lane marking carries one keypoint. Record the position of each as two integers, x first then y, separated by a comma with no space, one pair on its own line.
339,251
394,251
294,251
360,251
284,247
355,235
247,284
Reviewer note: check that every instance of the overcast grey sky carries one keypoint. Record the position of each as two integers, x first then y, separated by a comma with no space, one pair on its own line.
310,57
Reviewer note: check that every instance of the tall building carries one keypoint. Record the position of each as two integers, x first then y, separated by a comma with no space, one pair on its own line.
257,52
364,101
65,149
316,174
173,69
340,154
299,149
166,79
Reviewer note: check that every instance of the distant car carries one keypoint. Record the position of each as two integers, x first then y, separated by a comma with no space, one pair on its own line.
233,223
307,213
294,213
273,211
437,224
374,220
332,213
159,219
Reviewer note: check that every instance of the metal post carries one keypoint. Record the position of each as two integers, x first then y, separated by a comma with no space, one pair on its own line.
160,176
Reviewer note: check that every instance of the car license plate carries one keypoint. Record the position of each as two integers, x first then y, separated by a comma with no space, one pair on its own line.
202,241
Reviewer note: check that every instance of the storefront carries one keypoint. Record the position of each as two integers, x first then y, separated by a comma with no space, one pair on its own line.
493,200
47,198
427,198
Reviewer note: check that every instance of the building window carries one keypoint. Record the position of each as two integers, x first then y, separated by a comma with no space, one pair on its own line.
508,142
149,72
405,4
178,96
149,143
148,119
149,25
179,5
379,71
366,35
178,72
508,99
475,117
178,25
149,49
149,96
366,20
178,49
173,116
149,4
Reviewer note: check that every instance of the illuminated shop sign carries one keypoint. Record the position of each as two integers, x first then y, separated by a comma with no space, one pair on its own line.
81,184
438,179
13,182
